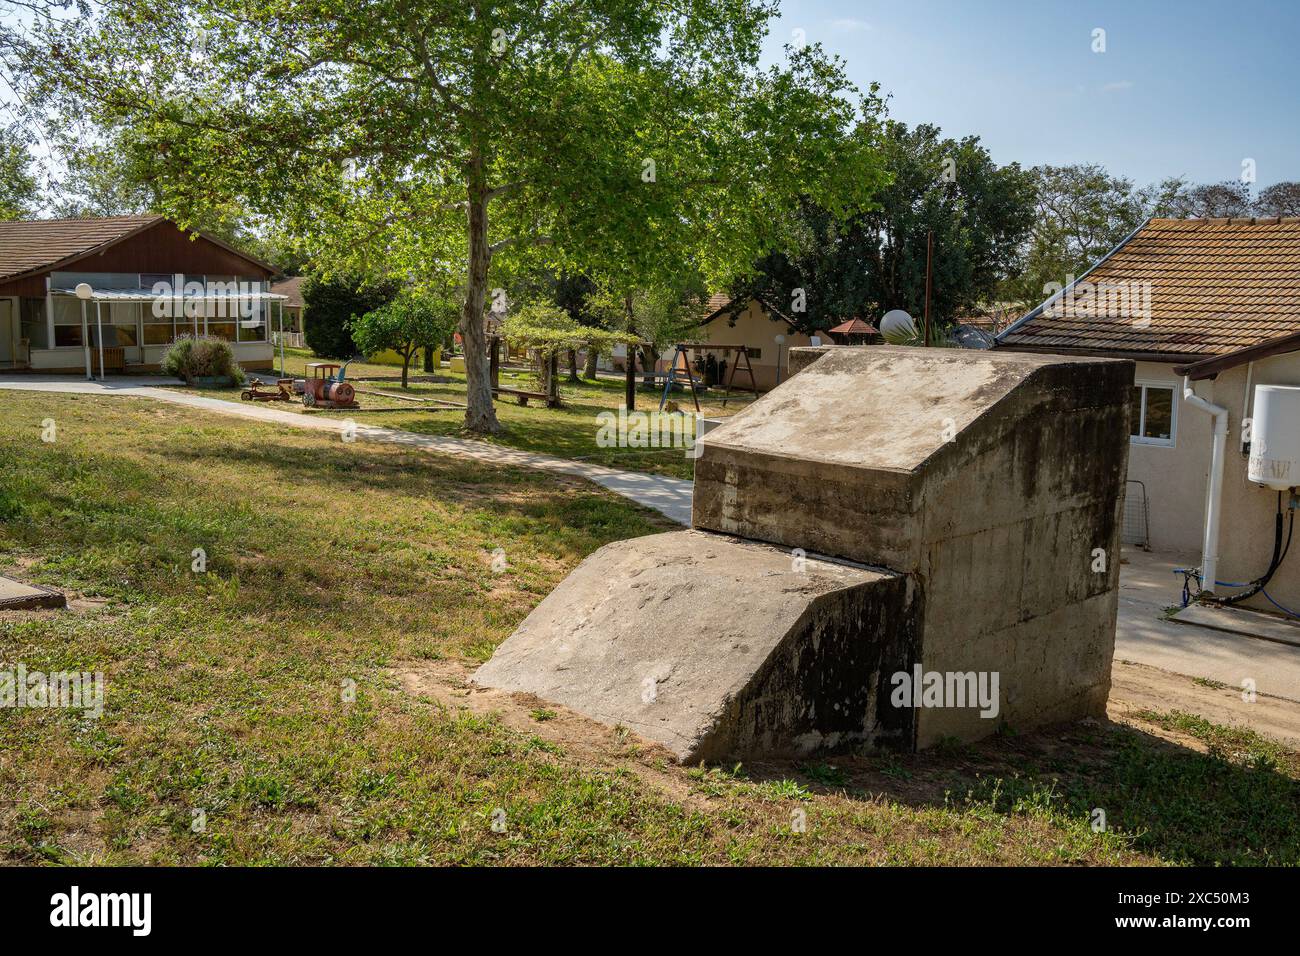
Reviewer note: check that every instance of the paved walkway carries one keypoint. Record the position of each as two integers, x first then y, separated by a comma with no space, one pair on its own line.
670,496
1147,585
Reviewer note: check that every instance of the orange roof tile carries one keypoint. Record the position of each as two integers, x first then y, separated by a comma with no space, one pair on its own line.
1177,287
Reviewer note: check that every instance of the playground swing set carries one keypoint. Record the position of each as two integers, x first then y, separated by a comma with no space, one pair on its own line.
681,371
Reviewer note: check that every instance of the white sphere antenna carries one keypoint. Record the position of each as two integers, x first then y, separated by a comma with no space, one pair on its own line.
897,326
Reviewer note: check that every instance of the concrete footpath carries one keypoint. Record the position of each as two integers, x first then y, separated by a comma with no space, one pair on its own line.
669,496
1147,586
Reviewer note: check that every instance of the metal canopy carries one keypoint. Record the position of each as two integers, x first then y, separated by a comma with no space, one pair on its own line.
148,295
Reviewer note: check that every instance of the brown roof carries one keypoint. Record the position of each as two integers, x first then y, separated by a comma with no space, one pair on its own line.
37,245
854,326
720,302
1177,287
291,287
717,302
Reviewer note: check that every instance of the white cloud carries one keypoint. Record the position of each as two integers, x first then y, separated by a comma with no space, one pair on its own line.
1117,86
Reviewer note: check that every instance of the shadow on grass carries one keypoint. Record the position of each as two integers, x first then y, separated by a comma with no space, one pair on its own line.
1237,802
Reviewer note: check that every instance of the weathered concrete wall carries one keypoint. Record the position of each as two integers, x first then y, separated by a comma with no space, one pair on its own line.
979,495
990,477
719,648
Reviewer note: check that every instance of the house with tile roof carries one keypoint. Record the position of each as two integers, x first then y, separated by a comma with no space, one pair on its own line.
143,280
1208,310
757,325
291,289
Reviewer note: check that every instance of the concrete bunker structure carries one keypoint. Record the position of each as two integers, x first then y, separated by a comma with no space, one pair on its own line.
889,527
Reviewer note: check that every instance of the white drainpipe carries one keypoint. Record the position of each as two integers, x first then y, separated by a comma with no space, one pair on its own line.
1210,548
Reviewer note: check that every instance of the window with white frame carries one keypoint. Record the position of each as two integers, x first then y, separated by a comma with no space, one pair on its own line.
1155,415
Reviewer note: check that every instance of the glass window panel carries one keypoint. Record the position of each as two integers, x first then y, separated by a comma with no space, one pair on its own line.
67,335
1160,414
156,334
256,333
67,310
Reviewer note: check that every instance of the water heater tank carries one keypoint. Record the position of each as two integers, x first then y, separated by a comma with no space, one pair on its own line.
1275,437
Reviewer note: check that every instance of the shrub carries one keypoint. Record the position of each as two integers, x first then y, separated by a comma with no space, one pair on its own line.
329,305
194,357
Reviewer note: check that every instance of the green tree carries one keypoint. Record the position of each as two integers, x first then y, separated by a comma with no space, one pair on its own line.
977,212
573,293
331,304
405,135
1225,200
410,322
1280,199
19,189
1082,213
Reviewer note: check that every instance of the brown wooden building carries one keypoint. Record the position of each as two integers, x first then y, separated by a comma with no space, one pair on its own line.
144,281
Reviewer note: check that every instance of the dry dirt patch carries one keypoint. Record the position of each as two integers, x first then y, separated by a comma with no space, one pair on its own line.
1136,687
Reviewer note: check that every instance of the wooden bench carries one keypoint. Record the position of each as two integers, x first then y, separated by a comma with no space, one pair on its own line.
521,395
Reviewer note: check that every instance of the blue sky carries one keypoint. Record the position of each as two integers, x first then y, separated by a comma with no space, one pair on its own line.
1185,87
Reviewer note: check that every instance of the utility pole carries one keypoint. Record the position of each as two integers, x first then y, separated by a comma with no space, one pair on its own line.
929,260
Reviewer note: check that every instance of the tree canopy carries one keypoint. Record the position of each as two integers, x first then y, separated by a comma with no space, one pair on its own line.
411,321
330,306
18,185
978,213
422,138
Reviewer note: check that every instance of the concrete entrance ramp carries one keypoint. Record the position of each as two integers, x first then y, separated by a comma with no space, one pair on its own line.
983,487
714,646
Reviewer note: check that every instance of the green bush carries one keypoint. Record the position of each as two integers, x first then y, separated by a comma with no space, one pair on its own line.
330,305
193,357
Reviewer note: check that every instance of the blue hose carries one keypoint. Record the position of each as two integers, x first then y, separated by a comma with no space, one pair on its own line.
1284,610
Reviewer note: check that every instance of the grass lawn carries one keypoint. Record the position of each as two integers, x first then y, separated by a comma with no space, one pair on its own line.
568,432
228,692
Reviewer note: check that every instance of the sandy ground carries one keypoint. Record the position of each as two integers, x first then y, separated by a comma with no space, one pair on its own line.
1136,687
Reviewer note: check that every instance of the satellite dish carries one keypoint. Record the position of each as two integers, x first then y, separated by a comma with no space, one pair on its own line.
897,326
84,291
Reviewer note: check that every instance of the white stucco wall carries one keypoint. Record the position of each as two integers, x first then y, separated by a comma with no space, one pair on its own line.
1176,479
754,329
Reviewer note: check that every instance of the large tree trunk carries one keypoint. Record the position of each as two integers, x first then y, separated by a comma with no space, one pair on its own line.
573,365
406,364
629,363
589,370
648,360
480,416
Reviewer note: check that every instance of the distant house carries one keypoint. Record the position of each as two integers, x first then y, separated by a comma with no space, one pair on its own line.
1209,310
755,324
148,282
291,289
